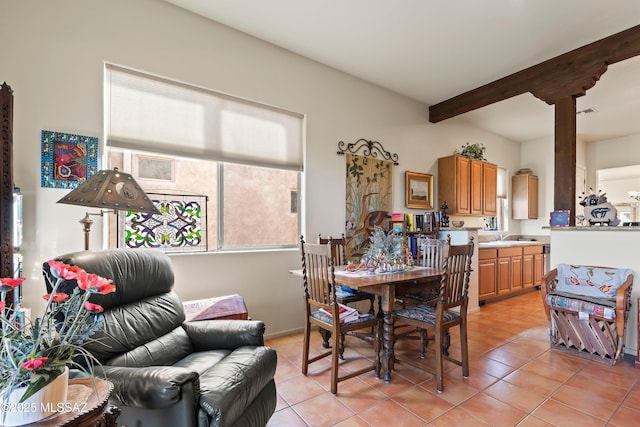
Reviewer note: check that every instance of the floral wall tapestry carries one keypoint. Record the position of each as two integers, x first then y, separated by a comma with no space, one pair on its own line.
368,200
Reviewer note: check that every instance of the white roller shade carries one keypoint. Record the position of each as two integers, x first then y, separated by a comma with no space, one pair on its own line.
153,114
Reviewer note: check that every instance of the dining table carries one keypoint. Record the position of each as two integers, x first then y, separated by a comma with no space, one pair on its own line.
386,286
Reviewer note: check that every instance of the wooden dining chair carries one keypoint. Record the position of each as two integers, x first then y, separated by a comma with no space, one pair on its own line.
322,308
339,254
434,254
344,296
450,309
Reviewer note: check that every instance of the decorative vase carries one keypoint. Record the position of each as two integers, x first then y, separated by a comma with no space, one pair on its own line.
44,403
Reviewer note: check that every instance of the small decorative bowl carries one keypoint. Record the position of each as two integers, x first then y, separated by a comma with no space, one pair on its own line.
457,223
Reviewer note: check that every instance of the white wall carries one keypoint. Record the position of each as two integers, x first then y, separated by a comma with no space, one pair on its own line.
53,55
617,190
611,153
538,155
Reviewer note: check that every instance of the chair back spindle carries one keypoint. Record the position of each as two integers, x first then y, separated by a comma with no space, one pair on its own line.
434,252
318,274
338,248
454,286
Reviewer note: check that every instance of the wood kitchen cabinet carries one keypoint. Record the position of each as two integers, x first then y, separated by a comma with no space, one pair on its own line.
509,270
531,266
504,275
487,273
454,184
516,273
489,189
475,187
468,186
538,267
524,192
527,270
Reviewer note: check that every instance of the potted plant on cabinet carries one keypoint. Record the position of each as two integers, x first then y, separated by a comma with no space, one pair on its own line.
472,151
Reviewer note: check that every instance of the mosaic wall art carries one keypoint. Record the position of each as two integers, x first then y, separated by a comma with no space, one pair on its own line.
68,160
180,227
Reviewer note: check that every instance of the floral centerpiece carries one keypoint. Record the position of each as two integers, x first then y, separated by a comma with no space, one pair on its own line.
34,354
386,252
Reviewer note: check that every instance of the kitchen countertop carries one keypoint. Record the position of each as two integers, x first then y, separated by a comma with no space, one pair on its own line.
463,228
508,243
594,228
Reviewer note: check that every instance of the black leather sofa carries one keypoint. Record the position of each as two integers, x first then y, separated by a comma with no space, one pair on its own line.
165,371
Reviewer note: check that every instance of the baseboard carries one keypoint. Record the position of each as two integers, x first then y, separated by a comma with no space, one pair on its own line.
284,333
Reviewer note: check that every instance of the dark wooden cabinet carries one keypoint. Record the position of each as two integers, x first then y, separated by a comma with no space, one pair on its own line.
6,186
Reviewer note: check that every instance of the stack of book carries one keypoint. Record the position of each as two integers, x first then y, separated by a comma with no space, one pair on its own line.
347,314
427,222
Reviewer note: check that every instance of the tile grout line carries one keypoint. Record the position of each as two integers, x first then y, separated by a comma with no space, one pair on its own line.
532,334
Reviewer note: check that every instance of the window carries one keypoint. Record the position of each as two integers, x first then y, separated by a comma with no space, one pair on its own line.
191,182
257,206
620,186
503,201
179,141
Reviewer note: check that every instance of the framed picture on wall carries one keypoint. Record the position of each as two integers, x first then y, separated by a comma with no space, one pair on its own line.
418,190
67,159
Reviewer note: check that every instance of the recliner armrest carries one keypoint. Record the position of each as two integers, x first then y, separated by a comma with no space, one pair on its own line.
224,334
153,387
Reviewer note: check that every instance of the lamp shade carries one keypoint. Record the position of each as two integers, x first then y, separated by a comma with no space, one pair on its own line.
111,189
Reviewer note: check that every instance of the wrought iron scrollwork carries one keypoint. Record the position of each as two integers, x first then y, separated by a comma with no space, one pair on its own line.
368,148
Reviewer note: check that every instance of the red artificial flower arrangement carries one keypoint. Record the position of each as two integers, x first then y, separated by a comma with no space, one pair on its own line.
37,352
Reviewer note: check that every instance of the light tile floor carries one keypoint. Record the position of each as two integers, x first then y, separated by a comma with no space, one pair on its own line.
515,379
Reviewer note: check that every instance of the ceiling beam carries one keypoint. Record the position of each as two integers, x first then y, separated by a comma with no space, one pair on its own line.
569,74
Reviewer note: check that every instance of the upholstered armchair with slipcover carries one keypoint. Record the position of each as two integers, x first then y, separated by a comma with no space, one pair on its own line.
165,371
588,307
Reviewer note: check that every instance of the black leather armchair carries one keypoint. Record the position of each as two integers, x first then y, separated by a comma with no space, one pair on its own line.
165,371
